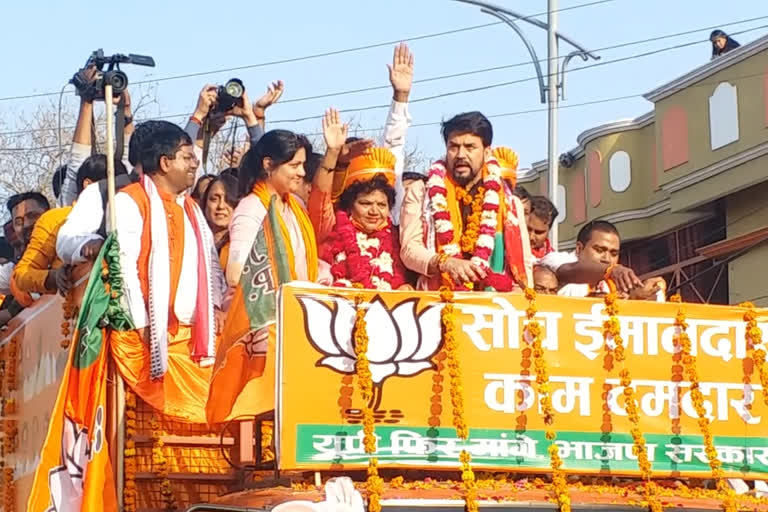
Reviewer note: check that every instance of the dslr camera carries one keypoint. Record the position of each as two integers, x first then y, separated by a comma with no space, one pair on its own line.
229,95
92,87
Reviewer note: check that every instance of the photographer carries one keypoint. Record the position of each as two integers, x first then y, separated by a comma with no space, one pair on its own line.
252,115
81,141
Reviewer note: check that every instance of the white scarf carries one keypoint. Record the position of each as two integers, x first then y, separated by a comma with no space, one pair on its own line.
159,284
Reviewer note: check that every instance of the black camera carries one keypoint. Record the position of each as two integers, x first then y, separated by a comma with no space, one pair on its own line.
92,88
229,95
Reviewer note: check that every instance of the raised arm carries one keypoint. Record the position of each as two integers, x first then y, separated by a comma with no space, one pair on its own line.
398,119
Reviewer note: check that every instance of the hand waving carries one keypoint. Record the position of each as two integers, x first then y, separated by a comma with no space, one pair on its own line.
273,94
401,72
334,131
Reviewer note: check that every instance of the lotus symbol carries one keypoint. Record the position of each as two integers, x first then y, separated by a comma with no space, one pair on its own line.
400,341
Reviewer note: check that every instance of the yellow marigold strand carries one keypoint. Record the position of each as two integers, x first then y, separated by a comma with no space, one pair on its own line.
754,337
472,227
68,309
365,383
559,482
683,343
160,465
612,332
130,493
450,346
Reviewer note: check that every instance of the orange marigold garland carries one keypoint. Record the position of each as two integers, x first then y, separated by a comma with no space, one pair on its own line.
129,454
68,308
683,343
457,397
754,337
160,465
472,227
374,483
615,343
9,490
533,335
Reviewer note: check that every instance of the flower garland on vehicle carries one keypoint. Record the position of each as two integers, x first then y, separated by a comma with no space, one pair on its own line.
374,483
10,430
445,227
9,490
532,335
615,344
160,465
68,309
129,453
754,337
369,260
683,343
450,345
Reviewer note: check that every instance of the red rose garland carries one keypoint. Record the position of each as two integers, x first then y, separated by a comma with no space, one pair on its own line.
372,261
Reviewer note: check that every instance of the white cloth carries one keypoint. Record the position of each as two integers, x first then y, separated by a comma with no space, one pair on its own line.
395,130
556,259
6,273
81,226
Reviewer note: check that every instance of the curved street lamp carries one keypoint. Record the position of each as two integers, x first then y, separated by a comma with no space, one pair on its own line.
555,76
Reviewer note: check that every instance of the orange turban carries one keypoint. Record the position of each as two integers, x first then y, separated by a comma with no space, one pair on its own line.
365,167
507,162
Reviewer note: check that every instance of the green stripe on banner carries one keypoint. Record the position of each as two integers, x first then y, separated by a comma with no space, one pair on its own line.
510,449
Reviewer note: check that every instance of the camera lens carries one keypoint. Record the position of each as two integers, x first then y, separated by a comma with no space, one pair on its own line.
234,88
118,80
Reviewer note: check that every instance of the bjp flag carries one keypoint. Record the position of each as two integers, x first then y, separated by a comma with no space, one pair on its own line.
75,471
245,355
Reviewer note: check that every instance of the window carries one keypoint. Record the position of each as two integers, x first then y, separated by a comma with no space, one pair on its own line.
620,171
560,203
723,116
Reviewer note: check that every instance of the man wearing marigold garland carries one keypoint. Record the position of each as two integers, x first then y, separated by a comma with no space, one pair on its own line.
464,228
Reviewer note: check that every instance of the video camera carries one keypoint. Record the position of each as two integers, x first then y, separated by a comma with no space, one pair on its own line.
93,87
229,95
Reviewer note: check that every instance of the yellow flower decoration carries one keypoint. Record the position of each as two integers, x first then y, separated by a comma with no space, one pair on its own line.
612,334
533,329
374,484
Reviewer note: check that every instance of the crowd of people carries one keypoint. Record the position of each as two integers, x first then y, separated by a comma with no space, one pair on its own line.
350,215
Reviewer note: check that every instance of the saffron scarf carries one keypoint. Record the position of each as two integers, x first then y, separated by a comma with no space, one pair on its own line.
305,226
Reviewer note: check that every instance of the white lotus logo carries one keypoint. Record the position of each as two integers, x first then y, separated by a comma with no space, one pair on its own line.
400,342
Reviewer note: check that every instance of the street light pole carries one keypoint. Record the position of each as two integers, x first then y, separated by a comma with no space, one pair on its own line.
553,93
555,88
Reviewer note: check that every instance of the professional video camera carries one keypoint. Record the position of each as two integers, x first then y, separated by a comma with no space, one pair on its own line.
92,87
229,95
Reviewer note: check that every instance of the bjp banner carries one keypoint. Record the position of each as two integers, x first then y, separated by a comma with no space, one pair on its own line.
75,471
320,411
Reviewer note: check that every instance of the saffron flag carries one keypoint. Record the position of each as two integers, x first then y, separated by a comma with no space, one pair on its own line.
75,471
245,355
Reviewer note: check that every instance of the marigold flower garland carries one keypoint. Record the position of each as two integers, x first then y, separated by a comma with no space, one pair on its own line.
9,490
457,397
374,483
532,335
68,309
445,228
160,465
754,337
471,232
130,493
683,343
615,344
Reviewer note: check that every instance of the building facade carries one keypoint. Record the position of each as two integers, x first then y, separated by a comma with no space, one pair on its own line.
686,184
